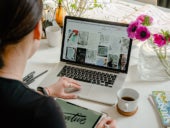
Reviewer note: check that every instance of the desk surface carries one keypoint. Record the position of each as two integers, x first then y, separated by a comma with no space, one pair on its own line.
146,117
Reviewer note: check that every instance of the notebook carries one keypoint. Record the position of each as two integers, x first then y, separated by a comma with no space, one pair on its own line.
97,54
78,116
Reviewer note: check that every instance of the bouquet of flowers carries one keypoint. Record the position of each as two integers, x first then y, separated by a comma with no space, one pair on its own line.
139,29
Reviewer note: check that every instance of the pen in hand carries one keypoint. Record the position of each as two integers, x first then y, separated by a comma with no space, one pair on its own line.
29,78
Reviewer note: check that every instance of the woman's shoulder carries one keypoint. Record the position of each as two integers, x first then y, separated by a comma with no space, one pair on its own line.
49,110
17,94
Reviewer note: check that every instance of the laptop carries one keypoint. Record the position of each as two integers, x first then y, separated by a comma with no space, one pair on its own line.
96,53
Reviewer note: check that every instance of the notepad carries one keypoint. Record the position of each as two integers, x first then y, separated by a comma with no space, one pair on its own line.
78,116
161,103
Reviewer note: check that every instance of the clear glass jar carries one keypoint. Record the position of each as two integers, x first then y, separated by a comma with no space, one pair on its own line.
150,67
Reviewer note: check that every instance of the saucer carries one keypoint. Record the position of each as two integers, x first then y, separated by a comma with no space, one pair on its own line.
126,113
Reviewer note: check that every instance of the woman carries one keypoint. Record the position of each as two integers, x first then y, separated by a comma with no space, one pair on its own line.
22,107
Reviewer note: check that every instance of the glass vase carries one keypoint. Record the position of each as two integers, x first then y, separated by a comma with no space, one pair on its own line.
151,67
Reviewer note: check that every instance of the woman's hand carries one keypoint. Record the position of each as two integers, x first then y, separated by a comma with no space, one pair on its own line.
58,89
106,122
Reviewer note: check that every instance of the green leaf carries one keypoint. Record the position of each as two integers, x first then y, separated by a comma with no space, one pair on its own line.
73,6
166,34
146,21
60,1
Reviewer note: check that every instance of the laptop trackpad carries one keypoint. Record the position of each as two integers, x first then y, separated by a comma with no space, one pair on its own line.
101,94
85,89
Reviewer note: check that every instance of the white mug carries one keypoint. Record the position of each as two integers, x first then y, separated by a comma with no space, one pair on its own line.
53,34
127,101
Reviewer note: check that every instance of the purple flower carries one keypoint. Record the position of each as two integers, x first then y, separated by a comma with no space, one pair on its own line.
132,29
145,20
159,40
142,33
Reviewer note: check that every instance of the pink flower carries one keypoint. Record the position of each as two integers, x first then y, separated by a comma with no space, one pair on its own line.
132,29
145,20
142,33
159,40
138,30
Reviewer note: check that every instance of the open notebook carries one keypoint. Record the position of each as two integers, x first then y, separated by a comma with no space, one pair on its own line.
97,54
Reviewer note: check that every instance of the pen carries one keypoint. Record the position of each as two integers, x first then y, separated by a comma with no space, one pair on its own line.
40,74
30,75
31,80
28,78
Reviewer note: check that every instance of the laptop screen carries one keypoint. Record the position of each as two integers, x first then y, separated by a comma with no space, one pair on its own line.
96,43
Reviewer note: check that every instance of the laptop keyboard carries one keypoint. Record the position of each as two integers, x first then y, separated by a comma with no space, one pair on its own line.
85,75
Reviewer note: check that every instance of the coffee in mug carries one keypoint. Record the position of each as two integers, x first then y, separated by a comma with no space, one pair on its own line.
127,101
128,98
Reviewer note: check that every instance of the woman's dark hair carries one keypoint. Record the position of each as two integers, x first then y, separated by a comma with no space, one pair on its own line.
17,19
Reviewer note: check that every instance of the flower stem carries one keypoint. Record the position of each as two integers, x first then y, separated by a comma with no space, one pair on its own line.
162,56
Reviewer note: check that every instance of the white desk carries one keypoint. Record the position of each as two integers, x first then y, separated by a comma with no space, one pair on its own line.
146,117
